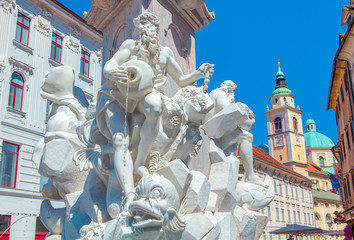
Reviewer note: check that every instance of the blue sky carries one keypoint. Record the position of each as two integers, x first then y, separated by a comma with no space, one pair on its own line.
246,39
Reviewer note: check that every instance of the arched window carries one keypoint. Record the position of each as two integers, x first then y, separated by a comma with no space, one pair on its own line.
295,125
317,216
16,92
277,124
321,161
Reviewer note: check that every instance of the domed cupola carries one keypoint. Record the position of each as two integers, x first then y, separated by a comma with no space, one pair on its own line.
314,139
280,87
310,125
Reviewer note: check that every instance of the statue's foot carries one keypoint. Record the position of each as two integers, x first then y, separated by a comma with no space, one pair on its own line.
256,180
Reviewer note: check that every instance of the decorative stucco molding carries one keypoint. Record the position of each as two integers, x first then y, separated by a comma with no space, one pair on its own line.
8,5
73,44
43,26
21,67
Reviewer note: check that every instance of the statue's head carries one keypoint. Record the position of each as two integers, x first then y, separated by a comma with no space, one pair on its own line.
148,24
228,85
156,205
58,84
229,88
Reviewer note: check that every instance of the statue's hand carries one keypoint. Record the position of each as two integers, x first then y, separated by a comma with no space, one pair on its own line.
206,70
119,74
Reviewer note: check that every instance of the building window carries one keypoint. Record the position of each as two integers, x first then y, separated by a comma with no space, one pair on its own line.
298,217
277,213
280,189
5,222
286,190
292,191
264,236
277,124
295,125
305,218
56,47
308,218
302,194
321,161
41,230
294,212
275,187
22,29
269,213
8,164
16,91
85,63
289,216
282,215
296,195
48,110
318,217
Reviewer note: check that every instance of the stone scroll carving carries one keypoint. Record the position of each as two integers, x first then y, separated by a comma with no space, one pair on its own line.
144,165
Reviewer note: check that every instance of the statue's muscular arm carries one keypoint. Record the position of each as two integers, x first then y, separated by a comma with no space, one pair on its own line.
111,69
175,71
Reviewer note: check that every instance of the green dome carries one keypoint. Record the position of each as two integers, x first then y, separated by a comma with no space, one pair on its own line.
315,139
281,91
310,121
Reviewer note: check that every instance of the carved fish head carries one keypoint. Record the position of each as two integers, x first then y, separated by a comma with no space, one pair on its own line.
156,204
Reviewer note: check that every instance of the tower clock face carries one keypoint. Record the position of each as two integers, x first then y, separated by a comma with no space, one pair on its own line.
297,141
279,141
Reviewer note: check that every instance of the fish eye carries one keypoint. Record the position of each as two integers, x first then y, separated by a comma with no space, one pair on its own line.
156,193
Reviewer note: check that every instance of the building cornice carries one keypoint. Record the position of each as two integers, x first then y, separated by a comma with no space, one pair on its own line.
282,108
100,15
77,24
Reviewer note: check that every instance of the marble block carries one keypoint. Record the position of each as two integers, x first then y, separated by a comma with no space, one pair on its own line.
224,121
227,225
198,193
223,183
212,202
197,226
201,162
216,154
250,223
178,174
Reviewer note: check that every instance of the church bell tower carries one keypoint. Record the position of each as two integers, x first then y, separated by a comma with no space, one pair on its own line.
285,134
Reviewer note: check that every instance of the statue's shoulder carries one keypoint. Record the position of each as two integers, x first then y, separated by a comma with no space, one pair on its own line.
129,43
167,50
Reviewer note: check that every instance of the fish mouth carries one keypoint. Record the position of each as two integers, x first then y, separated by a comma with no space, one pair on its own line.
144,215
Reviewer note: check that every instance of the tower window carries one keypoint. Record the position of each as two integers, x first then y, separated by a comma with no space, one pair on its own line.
276,100
321,161
277,124
296,129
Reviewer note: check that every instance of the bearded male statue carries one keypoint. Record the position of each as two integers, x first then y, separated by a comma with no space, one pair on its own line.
122,96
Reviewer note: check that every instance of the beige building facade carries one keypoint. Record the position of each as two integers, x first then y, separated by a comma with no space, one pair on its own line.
340,98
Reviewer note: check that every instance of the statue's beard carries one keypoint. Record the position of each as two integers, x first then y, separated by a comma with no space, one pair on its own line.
149,47
230,97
